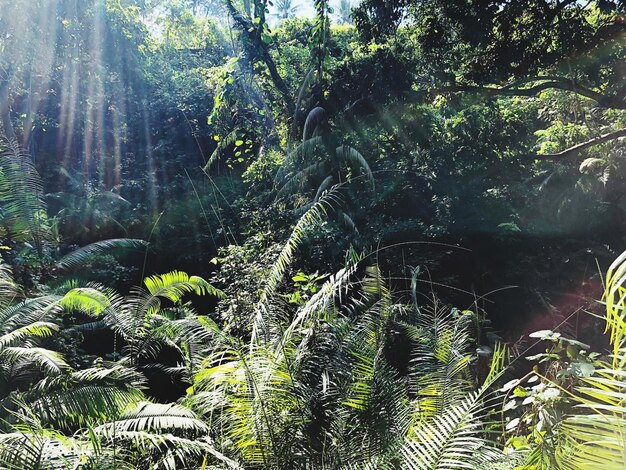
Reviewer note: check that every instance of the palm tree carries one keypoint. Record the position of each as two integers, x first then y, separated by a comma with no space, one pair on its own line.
344,12
285,9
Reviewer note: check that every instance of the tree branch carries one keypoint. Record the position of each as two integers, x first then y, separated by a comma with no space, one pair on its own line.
560,83
257,49
576,149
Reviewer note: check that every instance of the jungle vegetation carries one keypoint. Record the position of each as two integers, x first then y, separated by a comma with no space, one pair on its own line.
245,234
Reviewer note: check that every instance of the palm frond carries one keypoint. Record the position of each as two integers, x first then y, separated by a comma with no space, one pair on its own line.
353,157
311,218
83,397
153,417
315,117
89,300
23,211
44,308
50,361
87,253
592,442
32,330
452,440
454,437
37,448
173,286
615,298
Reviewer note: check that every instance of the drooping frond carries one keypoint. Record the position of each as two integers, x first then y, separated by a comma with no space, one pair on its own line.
30,447
347,221
39,309
87,253
153,417
353,157
315,117
83,397
300,178
301,90
322,187
290,175
167,451
32,330
173,286
25,357
89,300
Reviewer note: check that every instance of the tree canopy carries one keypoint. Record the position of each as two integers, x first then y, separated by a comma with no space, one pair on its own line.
337,235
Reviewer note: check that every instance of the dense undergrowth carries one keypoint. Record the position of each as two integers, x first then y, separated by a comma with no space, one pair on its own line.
375,238
347,374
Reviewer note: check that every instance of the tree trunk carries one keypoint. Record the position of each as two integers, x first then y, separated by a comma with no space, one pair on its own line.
5,110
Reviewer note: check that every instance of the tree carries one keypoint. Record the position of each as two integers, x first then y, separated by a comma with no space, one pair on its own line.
285,9
344,12
501,48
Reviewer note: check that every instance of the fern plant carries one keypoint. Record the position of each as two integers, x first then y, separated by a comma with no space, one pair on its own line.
323,390
99,417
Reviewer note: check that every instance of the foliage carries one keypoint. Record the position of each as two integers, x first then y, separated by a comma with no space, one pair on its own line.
480,141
